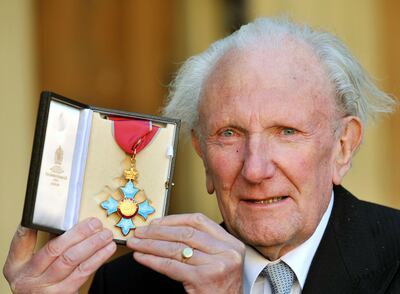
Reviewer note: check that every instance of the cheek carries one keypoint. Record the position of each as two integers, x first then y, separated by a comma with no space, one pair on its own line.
323,161
225,163
294,160
306,165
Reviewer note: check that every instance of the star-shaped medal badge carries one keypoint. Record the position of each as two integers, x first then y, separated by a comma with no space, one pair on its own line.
128,207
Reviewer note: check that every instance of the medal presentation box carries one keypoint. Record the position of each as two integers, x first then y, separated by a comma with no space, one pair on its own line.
94,162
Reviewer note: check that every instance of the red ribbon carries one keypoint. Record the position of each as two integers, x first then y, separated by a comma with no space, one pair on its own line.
128,132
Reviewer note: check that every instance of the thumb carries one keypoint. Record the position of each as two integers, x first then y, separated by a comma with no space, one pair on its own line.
21,249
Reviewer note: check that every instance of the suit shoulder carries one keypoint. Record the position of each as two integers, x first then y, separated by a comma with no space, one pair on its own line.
373,227
381,215
365,211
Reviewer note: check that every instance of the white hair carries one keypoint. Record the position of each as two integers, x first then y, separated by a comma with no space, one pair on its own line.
356,94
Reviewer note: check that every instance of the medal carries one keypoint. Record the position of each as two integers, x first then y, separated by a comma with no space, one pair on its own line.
132,136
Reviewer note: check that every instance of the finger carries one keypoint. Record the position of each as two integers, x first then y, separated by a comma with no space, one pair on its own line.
75,255
196,220
174,269
168,249
55,247
186,235
82,273
21,250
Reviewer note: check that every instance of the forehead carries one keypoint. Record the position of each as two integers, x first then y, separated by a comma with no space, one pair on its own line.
277,79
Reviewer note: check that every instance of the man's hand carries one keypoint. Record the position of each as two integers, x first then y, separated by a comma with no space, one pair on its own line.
217,261
63,264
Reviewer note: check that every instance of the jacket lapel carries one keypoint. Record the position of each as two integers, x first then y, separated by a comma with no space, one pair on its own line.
328,272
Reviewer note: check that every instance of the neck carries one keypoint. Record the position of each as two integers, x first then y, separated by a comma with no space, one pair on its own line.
274,252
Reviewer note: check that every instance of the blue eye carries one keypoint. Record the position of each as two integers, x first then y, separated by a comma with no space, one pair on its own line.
228,133
288,131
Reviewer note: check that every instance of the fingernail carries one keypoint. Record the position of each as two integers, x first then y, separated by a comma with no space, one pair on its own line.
155,221
95,224
133,240
140,231
111,247
137,254
106,235
21,231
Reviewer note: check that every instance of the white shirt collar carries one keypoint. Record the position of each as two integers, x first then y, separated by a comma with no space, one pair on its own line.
299,259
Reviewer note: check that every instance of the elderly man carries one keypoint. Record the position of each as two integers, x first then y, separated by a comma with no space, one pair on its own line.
276,112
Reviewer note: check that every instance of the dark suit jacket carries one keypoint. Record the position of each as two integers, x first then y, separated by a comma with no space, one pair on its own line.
359,253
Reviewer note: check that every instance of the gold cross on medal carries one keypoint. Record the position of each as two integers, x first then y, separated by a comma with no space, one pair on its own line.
131,174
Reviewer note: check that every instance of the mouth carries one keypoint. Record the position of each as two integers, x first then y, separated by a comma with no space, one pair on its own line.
269,200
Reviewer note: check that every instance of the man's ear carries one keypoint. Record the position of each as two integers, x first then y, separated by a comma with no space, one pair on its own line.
349,140
197,147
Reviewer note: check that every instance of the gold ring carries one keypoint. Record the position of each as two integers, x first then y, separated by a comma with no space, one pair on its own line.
187,253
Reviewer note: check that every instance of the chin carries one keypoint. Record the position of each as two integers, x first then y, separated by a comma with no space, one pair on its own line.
266,235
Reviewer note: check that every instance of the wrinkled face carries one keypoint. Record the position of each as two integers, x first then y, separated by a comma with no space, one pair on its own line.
267,141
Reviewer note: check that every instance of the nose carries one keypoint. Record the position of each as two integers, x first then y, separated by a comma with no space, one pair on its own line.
258,162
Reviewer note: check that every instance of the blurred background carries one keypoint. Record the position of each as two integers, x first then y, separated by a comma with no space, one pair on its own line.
123,54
